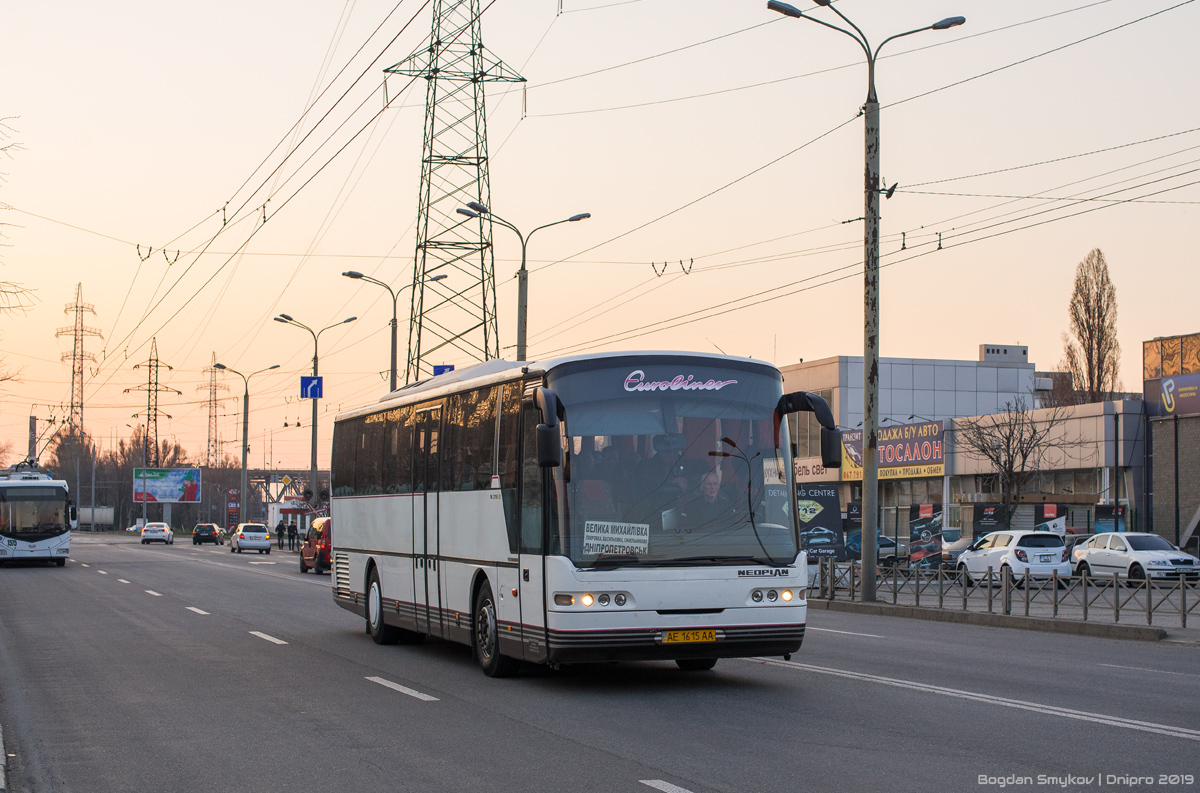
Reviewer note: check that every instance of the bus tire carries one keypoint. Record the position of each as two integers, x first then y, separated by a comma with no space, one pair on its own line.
485,637
61,562
381,632
696,664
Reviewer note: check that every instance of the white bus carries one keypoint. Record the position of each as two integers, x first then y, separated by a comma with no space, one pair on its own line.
617,506
36,515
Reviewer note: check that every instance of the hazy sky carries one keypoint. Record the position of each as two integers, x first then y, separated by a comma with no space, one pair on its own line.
141,120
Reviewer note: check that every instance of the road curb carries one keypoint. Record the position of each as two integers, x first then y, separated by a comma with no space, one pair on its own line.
3,763
1142,633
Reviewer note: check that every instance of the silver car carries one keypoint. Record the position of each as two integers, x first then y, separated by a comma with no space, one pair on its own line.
1135,556
250,537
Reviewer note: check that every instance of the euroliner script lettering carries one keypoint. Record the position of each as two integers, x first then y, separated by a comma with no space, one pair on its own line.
769,572
636,381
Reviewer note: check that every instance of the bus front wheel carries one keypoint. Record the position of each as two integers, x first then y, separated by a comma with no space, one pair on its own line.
486,637
61,562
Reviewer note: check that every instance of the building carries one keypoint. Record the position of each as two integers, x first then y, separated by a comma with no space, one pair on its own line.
1171,387
1098,457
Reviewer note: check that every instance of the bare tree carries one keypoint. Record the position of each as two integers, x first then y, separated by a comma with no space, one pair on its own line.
1016,442
1091,351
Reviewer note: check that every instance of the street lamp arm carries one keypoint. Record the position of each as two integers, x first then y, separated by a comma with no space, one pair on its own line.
898,36
861,38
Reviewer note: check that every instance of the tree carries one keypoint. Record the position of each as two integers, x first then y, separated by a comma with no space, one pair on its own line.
1091,351
1016,442
14,298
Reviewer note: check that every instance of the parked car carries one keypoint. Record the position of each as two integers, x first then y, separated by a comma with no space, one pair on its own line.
1041,554
207,532
314,553
1135,556
157,532
887,551
250,537
953,548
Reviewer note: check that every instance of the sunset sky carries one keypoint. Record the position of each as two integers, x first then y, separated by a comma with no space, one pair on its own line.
709,132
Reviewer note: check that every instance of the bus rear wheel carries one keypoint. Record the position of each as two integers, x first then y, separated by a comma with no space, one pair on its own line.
696,664
381,632
486,637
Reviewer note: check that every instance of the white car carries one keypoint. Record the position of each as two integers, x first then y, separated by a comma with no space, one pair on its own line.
250,537
1136,556
157,532
1013,553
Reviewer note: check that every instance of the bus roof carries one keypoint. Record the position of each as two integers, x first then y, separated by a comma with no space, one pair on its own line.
499,370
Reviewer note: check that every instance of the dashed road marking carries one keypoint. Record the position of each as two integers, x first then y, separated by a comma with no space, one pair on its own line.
101,572
87,565
1143,669
988,699
262,563
665,787
152,592
268,637
198,611
403,689
122,580
845,633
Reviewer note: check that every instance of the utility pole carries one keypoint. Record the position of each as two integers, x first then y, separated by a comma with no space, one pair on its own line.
213,454
77,355
454,171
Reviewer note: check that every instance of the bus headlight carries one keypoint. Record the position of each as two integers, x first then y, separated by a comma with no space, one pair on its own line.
619,599
786,595
564,600
757,596
772,595
603,599
588,600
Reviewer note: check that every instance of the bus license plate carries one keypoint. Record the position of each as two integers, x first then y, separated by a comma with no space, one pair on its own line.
688,637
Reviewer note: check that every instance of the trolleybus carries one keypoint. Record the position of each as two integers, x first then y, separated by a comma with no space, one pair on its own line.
36,515
618,506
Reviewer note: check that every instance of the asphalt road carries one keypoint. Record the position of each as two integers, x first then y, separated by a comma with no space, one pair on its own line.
192,669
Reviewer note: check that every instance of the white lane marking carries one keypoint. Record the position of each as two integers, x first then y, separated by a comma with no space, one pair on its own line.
1049,710
262,563
87,565
152,592
70,559
101,572
198,611
271,639
402,689
845,633
122,580
1143,669
665,787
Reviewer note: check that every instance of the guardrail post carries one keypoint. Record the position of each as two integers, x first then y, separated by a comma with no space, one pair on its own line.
964,585
1084,576
989,574
1116,599
915,575
1006,592
1028,580
1183,601
1149,609
1054,583
853,571
895,588
941,587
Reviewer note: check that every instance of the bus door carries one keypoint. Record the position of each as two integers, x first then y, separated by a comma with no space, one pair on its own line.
426,472
533,528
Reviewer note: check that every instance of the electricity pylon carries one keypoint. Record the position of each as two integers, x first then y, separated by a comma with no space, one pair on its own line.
77,355
213,455
458,316
152,389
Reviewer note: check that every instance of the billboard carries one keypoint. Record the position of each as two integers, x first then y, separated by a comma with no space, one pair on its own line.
906,451
167,485
820,512
925,535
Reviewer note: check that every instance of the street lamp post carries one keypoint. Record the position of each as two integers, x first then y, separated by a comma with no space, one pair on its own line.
143,473
316,334
477,209
395,296
244,501
872,188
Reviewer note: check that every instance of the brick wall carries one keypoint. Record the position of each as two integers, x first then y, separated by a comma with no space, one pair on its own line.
1164,473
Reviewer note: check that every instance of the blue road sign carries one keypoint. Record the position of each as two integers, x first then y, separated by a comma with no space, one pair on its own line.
442,368
310,387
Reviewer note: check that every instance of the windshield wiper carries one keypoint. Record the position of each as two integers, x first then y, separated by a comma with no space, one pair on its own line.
752,559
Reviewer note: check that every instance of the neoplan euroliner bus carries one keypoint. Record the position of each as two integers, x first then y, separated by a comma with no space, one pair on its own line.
603,507
36,515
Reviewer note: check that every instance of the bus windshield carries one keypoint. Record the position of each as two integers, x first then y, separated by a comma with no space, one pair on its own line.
33,513
676,462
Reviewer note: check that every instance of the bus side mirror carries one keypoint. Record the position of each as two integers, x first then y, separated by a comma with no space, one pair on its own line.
549,446
73,512
831,447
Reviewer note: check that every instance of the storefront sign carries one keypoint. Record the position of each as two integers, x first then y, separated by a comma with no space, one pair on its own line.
1051,517
989,518
1179,395
906,451
810,469
1109,518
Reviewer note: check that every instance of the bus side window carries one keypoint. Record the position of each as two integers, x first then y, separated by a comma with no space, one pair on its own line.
508,460
531,483
345,437
397,452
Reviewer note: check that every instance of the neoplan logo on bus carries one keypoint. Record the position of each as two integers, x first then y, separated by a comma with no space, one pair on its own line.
763,573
